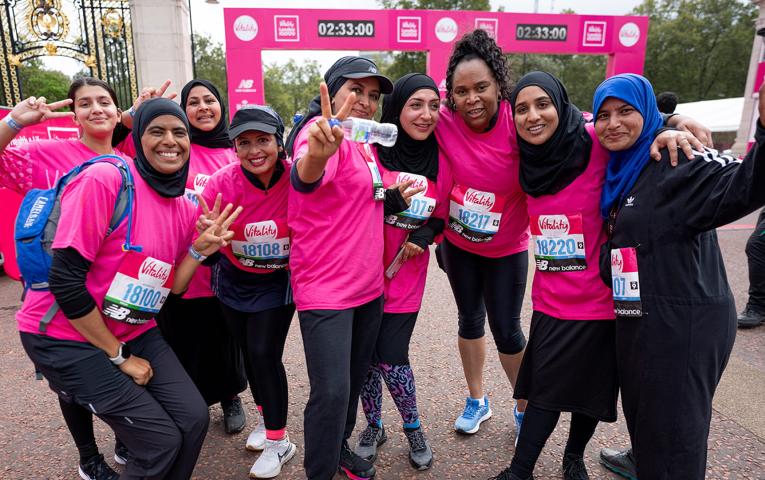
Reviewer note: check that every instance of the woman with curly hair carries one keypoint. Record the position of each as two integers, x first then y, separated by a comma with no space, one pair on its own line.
484,253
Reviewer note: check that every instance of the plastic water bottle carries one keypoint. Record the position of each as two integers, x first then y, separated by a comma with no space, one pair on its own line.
369,131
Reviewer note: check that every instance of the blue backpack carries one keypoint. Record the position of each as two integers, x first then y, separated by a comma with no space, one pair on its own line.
37,221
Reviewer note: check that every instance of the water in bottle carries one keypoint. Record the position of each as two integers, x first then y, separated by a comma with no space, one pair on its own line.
369,131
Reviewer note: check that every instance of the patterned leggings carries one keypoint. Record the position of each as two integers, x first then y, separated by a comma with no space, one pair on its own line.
400,382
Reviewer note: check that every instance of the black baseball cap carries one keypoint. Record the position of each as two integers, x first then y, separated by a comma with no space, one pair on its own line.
360,67
256,117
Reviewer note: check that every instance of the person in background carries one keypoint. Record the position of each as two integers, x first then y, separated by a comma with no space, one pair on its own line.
667,102
753,314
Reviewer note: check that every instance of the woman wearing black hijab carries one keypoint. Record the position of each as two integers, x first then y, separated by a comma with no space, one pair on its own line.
193,325
101,349
414,108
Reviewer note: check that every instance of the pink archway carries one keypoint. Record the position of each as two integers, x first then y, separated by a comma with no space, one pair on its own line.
249,31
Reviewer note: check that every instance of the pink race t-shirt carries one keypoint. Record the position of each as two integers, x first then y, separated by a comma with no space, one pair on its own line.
567,282
162,226
261,236
204,162
337,233
403,293
487,207
41,163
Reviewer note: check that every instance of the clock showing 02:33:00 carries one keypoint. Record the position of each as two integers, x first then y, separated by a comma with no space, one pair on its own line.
548,33
346,28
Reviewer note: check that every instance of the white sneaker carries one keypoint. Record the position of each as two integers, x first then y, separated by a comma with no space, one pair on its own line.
276,454
256,440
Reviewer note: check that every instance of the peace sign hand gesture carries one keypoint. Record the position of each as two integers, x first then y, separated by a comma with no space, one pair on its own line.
217,235
34,110
324,137
146,94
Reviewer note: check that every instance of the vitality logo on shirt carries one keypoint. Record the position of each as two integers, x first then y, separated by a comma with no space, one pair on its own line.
554,225
260,231
479,201
200,182
154,272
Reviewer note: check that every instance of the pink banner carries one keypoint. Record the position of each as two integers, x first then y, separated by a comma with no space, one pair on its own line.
249,31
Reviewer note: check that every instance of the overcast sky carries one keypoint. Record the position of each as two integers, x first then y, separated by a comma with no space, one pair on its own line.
208,19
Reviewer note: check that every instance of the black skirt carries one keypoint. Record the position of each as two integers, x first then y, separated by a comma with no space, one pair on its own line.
570,366
195,330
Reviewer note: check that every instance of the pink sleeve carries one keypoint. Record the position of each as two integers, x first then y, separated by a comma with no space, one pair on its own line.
17,168
127,147
444,188
87,205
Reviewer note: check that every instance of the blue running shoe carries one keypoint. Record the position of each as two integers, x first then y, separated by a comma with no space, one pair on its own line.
473,415
518,422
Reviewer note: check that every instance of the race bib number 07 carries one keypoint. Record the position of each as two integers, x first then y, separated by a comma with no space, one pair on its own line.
422,206
626,282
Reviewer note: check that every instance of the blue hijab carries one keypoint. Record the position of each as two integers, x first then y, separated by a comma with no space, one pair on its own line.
625,166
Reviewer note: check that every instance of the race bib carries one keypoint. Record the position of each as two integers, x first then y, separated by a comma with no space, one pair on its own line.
422,205
260,245
195,185
139,289
626,282
558,242
475,215
378,190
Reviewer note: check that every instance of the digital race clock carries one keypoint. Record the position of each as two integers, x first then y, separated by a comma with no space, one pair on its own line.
346,28
550,33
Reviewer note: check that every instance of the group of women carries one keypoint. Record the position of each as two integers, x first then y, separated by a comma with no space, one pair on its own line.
629,291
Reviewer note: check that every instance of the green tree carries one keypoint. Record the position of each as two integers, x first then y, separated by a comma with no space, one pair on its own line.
291,86
210,63
407,62
698,49
36,80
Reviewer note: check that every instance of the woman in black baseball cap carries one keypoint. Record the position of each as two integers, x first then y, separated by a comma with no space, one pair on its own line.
250,275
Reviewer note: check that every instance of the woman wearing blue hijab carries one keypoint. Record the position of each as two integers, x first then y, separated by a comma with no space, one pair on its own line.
675,316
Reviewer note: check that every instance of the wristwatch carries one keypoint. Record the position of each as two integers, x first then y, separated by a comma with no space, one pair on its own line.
122,355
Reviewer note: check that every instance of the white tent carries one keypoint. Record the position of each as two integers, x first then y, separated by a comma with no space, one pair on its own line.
722,115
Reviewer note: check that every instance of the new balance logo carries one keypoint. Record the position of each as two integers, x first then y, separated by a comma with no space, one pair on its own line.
246,83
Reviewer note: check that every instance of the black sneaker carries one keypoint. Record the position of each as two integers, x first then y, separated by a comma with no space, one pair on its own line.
96,468
420,453
620,462
353,466
371,438
233,415
120,453
573,467
507,475
750,318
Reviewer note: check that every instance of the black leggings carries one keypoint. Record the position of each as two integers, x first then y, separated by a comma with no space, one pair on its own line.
538,425
755,255
484,285
262,336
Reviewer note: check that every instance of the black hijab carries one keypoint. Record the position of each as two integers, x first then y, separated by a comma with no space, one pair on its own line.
167,185
549,168
218,136
408,155
340,71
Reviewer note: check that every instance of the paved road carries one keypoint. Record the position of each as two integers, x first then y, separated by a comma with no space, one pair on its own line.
34,442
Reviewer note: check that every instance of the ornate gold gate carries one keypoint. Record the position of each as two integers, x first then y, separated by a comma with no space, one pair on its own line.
96,32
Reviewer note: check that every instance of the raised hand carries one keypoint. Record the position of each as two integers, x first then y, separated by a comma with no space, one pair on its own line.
324,138
208,216
406,192
217,235
34,110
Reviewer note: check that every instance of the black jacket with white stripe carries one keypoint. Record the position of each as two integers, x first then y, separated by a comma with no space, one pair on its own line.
670,216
